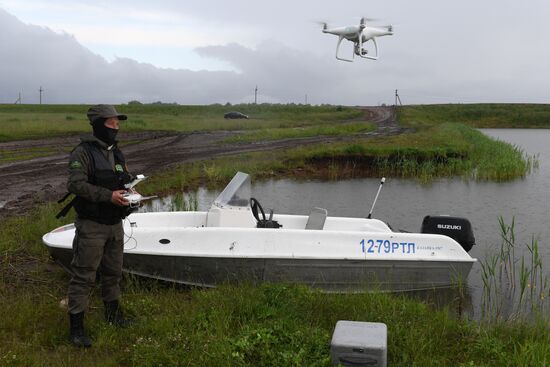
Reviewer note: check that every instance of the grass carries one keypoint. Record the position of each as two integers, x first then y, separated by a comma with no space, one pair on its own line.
23,154
269,325
489,115
439,151
181,203
38,121
440,146
238,325
301,132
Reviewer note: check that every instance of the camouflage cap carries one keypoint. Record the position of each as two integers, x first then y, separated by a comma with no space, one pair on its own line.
103,111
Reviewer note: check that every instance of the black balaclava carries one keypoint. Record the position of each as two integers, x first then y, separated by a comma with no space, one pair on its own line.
104,133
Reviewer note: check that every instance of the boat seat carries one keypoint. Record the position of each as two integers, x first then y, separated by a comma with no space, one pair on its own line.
316,219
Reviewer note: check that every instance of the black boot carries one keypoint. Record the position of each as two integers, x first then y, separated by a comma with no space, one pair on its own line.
114,316
78,336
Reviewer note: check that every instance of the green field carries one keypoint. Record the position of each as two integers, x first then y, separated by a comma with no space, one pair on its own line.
268,325
442,144
234,325
489,115
39,121
351,128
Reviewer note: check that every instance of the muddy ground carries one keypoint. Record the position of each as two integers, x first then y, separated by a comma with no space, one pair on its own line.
32,181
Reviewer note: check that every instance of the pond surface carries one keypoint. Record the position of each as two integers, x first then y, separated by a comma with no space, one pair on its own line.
404,203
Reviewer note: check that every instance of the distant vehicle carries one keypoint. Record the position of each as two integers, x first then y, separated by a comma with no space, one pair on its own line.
235,115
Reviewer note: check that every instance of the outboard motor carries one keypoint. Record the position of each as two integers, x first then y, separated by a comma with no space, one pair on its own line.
459,229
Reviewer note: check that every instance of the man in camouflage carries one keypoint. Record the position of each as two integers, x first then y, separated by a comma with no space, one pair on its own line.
97,174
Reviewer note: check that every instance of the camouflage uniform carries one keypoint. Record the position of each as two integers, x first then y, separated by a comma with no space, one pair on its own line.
96,245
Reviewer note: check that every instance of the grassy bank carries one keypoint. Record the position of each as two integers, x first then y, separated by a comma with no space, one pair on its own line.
239,325
441,151
39,121
441,145
488,115
270,325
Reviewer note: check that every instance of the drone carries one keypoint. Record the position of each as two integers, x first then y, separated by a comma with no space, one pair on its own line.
359,35
132,197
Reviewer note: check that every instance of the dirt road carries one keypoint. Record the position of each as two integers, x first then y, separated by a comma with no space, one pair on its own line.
25,183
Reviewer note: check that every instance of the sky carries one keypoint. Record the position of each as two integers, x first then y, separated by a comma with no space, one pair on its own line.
189,52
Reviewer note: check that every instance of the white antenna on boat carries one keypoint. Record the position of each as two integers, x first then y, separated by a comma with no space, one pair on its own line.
376,197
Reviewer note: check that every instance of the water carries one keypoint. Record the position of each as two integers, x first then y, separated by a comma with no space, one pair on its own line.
404,203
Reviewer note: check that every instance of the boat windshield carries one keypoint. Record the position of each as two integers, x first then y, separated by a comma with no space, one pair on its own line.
236,193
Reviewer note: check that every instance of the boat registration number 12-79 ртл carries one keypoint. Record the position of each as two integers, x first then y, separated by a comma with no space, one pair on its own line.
386,246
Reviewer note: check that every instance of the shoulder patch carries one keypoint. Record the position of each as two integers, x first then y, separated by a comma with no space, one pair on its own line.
119,168
75,164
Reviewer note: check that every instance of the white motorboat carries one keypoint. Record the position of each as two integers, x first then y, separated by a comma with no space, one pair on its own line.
235,241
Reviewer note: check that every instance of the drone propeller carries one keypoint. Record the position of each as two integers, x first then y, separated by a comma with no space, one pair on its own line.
324,24
389,27
364,20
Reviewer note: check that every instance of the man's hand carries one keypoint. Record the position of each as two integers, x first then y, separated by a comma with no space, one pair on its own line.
117,199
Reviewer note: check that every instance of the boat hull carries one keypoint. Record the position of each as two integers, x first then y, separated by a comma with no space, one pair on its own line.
332,275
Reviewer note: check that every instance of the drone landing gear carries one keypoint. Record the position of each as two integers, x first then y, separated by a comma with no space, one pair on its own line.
362,52
358,50
340,39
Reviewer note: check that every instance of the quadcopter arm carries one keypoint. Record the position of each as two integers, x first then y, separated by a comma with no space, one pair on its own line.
340,39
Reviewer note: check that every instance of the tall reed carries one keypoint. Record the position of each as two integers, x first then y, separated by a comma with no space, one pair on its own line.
514,287
181,203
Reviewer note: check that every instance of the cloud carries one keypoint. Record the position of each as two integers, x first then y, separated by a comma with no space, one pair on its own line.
37,56
426,65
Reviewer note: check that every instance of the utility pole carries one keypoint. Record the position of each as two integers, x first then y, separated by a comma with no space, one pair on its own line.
256,95
18,99
306,98
41,90
397,99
